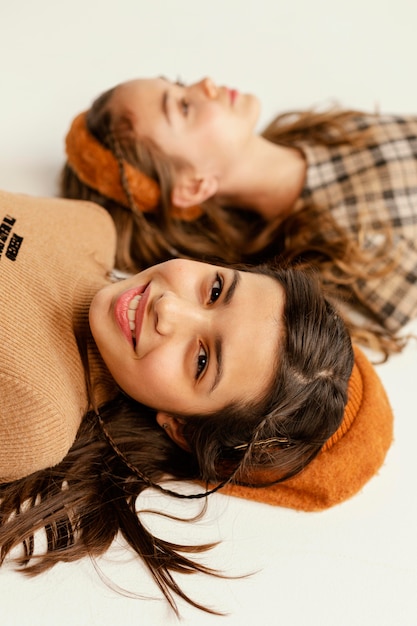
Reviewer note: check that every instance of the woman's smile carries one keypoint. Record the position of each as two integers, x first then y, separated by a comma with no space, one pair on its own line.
131,315
184,336
129,310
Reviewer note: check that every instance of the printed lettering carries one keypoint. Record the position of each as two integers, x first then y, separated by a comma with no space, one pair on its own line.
14,247
4,231
9,220
15,242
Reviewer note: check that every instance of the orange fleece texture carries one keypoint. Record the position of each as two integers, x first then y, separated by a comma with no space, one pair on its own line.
348,460
97,167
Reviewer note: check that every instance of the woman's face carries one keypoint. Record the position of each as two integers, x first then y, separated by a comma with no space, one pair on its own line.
185,337
203,124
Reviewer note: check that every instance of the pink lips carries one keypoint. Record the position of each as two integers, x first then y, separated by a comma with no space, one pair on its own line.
121,308
233,93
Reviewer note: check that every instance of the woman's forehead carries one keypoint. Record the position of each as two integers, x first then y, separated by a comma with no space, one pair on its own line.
252,345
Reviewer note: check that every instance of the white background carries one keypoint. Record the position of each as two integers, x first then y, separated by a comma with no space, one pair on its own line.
353,565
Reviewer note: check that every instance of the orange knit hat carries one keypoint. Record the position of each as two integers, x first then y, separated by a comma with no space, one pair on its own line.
97,167
349,458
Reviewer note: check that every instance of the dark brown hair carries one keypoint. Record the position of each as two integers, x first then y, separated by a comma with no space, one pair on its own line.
84,501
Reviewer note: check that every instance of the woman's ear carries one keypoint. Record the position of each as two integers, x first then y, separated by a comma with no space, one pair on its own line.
191,190
173,428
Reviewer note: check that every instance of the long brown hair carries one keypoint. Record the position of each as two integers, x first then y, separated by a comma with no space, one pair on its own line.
232,235
84,501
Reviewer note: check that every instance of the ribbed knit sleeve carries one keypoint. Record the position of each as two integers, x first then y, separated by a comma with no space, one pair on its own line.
54,255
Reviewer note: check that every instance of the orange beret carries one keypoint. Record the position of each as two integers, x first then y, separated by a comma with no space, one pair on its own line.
349,458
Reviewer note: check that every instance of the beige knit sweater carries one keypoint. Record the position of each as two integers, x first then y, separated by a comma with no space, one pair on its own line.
54,255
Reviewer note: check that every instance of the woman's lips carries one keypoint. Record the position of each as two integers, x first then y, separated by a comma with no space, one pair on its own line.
233,93
129,311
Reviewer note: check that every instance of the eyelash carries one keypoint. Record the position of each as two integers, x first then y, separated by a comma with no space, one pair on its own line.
202,358
185,105
219,280
202,361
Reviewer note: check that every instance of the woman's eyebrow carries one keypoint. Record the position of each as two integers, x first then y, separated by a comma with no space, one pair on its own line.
165,110
232,288
218,349
218,342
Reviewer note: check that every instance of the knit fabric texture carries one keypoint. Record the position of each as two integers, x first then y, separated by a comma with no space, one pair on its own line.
54,255
368,188
348,460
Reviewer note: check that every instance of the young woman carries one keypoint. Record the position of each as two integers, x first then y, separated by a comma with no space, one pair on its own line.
193,371
183,172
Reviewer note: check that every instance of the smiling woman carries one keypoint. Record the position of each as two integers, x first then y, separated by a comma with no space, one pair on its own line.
228,377
183,172
198,336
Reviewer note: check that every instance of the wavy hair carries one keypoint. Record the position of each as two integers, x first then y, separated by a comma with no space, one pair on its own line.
231,235
84,501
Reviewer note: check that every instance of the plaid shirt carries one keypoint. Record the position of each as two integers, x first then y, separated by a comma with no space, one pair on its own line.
367,188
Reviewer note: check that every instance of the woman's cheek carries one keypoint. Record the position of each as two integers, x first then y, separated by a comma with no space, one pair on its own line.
157,379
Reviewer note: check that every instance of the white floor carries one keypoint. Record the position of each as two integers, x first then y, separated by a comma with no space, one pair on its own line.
354,565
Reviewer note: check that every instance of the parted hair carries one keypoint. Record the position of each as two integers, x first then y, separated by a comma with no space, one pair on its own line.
84,501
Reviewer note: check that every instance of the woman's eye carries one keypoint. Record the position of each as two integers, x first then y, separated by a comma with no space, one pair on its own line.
202,360
216,289
185,106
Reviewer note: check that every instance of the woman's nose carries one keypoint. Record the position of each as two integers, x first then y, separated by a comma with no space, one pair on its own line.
209,88
175,315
